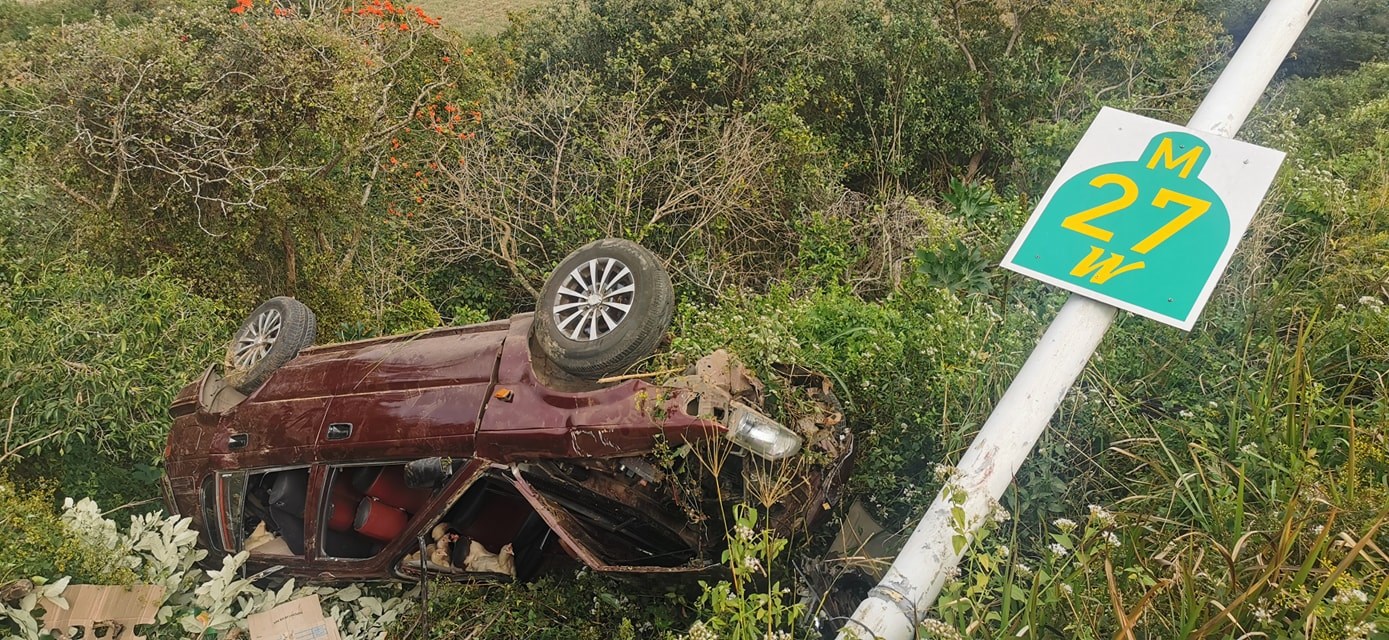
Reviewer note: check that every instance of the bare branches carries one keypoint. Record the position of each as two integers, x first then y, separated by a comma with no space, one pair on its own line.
556,165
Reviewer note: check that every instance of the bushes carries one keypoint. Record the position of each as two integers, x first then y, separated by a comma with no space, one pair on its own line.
914,371
35,543
907,94
90,362
159,550
241,147
21,20
552,168
1342,35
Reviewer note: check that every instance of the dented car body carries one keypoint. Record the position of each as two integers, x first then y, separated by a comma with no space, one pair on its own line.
434,451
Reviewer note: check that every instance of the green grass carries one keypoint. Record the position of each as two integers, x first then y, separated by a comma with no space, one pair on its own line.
478,18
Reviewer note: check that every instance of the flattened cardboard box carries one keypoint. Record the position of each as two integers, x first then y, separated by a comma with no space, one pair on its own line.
300,619
114,609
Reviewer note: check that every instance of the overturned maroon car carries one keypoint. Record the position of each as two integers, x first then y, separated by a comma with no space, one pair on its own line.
494,450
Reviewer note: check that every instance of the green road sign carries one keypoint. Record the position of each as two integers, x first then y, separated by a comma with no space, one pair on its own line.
1145,216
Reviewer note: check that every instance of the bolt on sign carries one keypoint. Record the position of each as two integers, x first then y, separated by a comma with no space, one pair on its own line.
1145,216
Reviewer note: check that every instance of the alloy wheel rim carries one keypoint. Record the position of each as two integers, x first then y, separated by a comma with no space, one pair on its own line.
255,341
594,299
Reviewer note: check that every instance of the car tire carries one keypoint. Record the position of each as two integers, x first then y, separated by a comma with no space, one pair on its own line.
605,307
271,336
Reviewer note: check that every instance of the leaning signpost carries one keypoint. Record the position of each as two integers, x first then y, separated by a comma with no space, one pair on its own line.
1144,216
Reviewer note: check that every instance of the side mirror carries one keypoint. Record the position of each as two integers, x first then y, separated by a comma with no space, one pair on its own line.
427,473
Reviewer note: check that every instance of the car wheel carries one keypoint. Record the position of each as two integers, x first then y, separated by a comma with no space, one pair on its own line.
605,307
272,335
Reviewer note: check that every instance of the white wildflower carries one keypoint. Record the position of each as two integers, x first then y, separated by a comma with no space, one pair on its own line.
1361,631
1371,301
1067,589
1263,615
1023,570
743,532
752,564
1057,549
937,629
1186,414
700,632
1066,525
1004,551
942,473
1101,515
1110,538
1352,595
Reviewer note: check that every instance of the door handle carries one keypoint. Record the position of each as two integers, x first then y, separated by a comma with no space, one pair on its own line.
237,441
340,431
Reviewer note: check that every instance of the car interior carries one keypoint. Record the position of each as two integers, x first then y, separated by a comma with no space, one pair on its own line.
620,534
490,529
367,507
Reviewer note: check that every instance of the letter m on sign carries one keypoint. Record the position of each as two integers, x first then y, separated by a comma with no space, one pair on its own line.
1164,154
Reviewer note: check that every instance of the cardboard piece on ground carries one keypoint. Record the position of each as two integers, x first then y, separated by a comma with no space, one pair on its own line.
300,619
93,607
864,544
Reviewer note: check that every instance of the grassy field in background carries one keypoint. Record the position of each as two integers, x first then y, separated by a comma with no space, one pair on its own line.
482,17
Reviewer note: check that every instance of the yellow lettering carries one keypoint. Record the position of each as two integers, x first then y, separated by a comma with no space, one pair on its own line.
1080,222
1103,270
1195,208
1164,154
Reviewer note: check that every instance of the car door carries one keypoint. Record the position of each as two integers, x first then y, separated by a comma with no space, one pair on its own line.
408,396
260,511
368,517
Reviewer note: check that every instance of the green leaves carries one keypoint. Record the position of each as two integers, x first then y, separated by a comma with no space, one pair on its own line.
88,366
752,606
955,267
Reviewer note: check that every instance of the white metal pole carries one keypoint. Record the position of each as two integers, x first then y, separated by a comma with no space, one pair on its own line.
897,605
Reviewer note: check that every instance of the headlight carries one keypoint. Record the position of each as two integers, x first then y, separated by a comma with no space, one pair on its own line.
761,435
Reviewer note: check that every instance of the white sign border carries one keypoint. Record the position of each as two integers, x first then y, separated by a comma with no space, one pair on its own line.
1110,138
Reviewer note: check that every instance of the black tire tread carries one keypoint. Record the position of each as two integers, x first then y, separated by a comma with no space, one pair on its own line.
644,338
298,330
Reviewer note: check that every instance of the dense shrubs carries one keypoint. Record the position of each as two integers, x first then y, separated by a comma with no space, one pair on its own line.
551,168
1343,35
88,365
906,93
245,149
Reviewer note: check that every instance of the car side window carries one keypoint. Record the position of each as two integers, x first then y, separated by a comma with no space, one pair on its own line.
211,512
267,507
366,508
222,498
